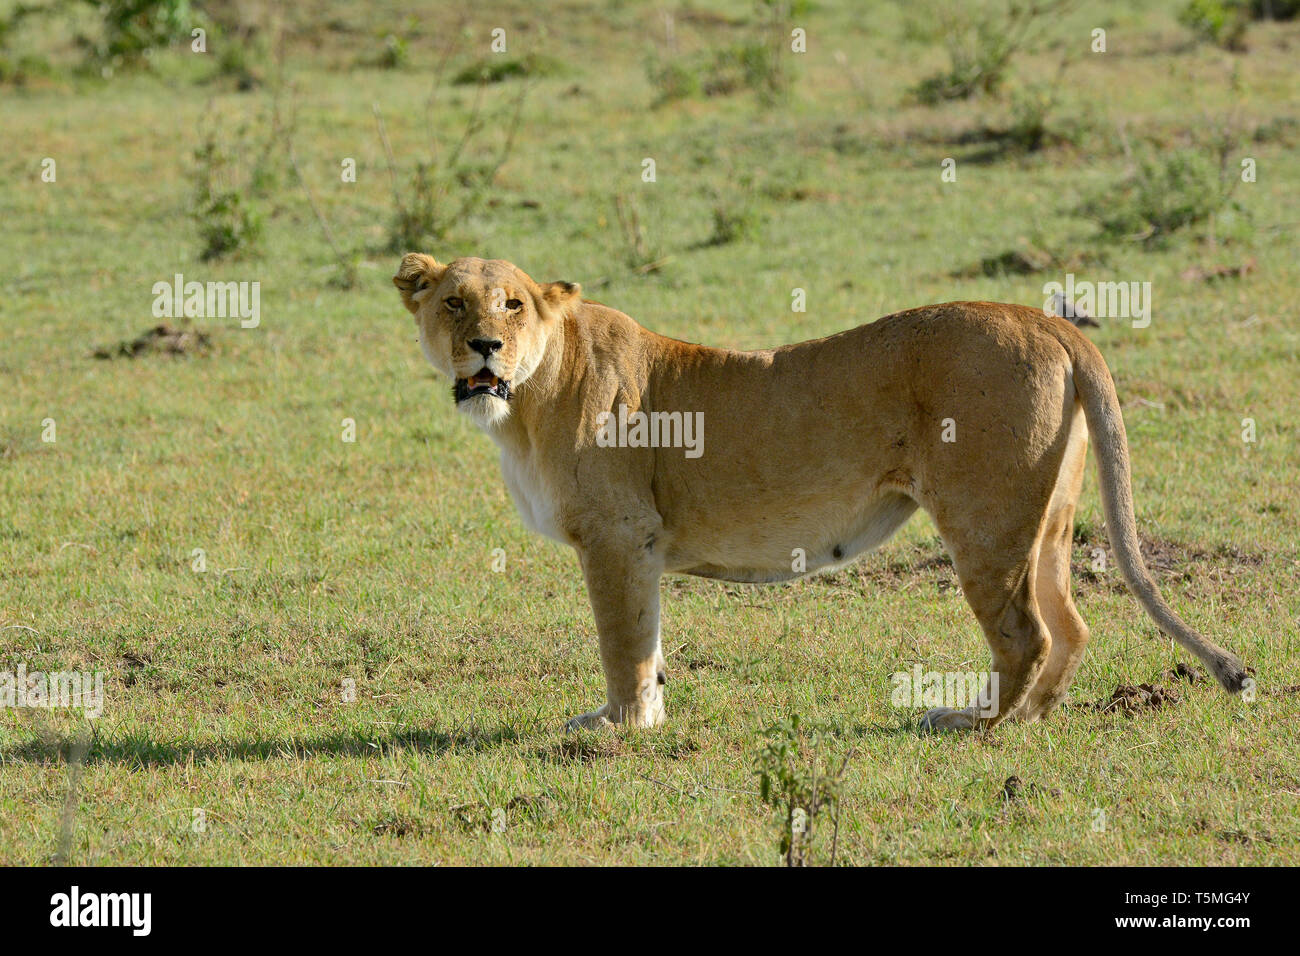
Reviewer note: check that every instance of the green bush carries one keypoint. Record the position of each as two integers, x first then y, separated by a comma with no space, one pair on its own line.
794,778
497,69
1163,196
732,223
234,170
1274,9
736,214
416,220
396,54
981,39
133,29
1221,22
758,64
731,69
25,69
226,220
674,80
1030,109
452,181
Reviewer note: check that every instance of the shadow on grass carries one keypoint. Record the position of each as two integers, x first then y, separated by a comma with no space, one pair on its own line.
141,751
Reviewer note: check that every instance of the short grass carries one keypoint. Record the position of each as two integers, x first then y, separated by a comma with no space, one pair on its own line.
372,561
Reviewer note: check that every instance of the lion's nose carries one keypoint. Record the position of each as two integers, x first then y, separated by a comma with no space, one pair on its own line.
485,347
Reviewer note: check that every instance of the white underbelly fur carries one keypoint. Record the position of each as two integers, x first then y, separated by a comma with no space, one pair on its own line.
531,497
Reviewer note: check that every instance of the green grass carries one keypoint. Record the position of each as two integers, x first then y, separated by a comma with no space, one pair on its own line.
373,560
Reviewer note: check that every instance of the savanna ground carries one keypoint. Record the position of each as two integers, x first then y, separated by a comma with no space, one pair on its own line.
373,560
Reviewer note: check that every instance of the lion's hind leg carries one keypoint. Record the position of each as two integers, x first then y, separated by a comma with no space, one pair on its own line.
1069,632
996,554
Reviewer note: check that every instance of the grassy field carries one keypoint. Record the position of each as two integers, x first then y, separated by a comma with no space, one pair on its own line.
371,561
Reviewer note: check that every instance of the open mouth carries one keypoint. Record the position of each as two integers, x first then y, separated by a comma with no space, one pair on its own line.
481,382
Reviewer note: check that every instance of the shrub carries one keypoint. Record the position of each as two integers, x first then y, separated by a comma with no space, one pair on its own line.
736,216
734,222
1221,22
1274,9
980,40
674,80
234,170
641,252
497,68
802,789
226,217
758,64
133,29
440,190
1162,196
1036,121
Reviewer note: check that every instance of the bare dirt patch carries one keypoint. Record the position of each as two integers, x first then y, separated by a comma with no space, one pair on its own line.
928,564
919,564
1093,563
1216,272
1026,259
160,340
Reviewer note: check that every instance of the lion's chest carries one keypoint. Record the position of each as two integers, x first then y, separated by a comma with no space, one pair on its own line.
534,500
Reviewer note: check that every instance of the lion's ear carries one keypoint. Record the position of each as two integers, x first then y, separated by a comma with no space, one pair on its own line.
559,294
417,273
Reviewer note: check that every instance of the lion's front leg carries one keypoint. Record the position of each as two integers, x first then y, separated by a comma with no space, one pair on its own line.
623,584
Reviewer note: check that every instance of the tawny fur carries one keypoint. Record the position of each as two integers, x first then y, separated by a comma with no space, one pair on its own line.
826,446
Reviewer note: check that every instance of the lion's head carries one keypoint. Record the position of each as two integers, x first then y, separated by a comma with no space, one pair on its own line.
484,323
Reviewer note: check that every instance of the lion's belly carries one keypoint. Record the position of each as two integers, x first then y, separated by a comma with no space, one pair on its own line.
781,548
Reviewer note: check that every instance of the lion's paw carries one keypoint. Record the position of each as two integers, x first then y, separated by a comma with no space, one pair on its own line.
594,720
641,715
946,718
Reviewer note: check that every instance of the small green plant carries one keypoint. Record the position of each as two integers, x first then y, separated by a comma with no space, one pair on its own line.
1030,107
674,79
239,55
758,65
134,29
1221,22
226,216
736,217
416,220
25,70
440,190
234,171
640,253
742,66
343,273
733,223
497,69
22,68
801,788
980,40
1162,195
1035,116
396,54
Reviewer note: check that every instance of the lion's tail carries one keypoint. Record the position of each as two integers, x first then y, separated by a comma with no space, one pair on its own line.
1101,408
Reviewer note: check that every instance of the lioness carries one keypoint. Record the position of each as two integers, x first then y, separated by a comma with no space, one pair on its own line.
975,411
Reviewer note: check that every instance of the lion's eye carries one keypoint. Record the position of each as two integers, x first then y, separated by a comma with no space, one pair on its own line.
514,305
455,304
